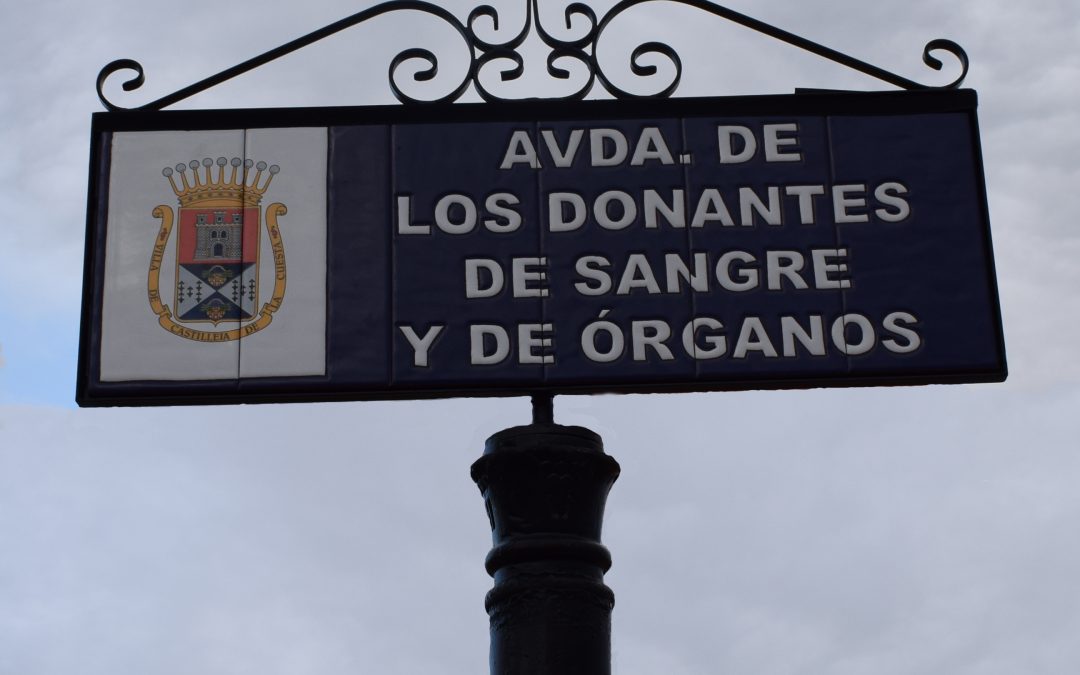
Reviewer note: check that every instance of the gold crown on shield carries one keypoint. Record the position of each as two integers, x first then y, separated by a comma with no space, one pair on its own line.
237,182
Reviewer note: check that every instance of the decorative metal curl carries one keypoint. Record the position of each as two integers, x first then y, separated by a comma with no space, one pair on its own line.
482,52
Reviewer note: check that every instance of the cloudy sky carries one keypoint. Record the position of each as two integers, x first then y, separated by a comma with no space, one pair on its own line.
923,530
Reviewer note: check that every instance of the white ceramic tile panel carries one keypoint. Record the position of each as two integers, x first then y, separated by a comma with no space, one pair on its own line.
294,342
134,346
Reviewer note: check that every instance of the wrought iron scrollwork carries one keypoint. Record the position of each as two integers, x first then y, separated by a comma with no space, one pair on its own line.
582,48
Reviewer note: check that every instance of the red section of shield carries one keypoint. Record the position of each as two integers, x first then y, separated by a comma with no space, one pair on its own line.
213,236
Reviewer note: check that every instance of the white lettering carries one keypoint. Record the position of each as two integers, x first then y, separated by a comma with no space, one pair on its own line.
562,158
773,141
588,267
533,336
496,204
888,194
867,337
785,264
524,276
813,342
421,344
892,324
603,215
557,202
404,216
748,278
841,204
750,203
520,150
602,139
478,343
711,206
716,343
674,214
474,284
823,268
752,337
805,194
677,268
442,214
651,333
651,145
638,274
726,136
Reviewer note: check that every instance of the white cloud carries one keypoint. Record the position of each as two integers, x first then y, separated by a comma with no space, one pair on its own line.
899,531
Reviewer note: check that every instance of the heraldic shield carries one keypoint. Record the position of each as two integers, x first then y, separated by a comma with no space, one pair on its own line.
217,250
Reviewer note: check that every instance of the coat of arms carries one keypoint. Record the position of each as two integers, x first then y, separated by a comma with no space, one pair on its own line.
217,250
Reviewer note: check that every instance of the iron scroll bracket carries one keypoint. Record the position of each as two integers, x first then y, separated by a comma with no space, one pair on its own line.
482,52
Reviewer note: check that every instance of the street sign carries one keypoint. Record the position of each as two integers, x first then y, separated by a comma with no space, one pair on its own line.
809,240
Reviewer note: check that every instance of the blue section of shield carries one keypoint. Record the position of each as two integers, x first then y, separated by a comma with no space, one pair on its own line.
214,292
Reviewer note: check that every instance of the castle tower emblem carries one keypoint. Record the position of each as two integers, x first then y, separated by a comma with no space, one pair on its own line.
217,249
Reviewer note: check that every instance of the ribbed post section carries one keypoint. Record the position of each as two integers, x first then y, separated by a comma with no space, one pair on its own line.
545,487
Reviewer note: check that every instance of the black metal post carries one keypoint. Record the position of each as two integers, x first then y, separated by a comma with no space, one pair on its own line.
545,486
543,409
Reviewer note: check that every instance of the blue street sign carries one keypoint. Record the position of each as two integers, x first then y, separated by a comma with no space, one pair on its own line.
819,239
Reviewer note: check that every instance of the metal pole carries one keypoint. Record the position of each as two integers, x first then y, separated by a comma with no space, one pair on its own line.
543,408
545,486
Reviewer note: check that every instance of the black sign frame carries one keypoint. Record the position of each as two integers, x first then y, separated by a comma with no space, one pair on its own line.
91,391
